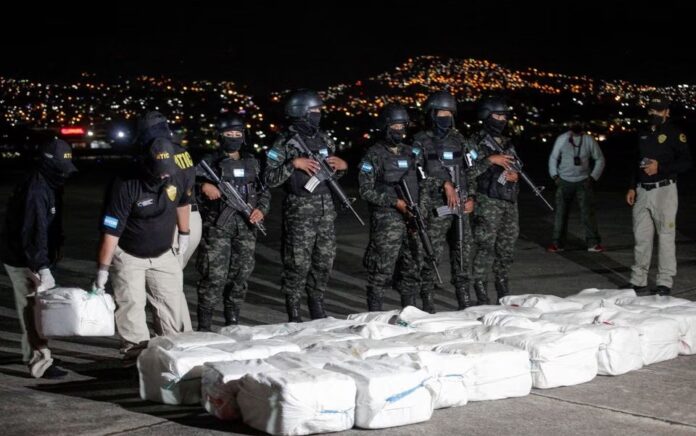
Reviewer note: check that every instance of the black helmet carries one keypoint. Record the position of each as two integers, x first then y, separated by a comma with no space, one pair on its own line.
441,100
229,122
492,105
152,125
301,101
393,113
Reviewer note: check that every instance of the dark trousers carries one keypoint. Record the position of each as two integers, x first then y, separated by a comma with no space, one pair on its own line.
566,192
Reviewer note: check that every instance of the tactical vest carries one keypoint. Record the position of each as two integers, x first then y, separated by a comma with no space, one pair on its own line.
440,153
242,175
393,168
489,183
298,179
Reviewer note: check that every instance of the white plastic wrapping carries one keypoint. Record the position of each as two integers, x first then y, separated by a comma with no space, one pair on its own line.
74,312
485,333
559,359
499,371
601,297
423,321
377,330
241,333
659,336
388,394
297,401
311,337
506,320
364,348
388,316
424,341
656,301
542,302
189,340
220,382
173,376
686,317
619,348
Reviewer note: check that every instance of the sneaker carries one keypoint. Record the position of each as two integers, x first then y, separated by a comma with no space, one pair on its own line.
553,248
54,372
595,249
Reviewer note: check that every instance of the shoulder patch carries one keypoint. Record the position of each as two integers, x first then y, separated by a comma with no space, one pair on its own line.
110,222
416,151
682,137
273,154
662,138
366,167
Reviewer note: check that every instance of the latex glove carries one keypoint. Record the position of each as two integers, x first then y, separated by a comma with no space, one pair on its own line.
46,280
99,283
183,241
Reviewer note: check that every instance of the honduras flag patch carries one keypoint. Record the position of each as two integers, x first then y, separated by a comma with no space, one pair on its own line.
366,167
110,222
447,155
416,151
273,154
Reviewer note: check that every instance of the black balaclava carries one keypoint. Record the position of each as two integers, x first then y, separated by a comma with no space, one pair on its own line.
442,124
55,164
231,145
493,126
395,136
308,125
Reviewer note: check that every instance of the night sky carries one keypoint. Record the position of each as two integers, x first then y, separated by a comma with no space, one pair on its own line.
276,45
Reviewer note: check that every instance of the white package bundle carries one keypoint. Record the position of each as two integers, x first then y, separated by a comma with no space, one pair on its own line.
310,337
74,312
388,394
601,297
377,330
388,316
364,348
173,376
507,320
542,302
577,317
423,321
619,348
659,336
655,301
448,375
487,333
220,382
559,359
686,317
297,401
242,333
424,341
189,340
499,371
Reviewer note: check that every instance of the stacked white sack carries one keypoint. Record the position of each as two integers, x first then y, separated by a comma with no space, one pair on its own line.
424,341
486,333
426,322
297,401
477,312
499,371
542,302
594,297
505,319
173,376
311,337
654,301
559,359
619,349
377,330
659,336
686,317
389,395
241,333
364,348
387,316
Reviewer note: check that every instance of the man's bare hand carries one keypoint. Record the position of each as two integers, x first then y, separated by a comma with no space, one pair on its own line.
651,168
512,176
401,206
502,160
210,191
309,166
451,194
256,216
631,197
469,205
336,163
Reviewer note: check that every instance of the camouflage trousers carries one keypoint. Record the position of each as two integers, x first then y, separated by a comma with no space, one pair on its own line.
443,234
225,261
308,246
496,228
394,251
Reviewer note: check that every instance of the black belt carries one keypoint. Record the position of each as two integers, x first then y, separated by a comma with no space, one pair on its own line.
660,184
194,208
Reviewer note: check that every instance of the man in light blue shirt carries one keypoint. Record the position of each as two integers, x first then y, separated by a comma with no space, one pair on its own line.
569,166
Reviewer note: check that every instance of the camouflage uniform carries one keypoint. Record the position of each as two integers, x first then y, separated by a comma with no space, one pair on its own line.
226,255
309,237
439,154
495,220
391,240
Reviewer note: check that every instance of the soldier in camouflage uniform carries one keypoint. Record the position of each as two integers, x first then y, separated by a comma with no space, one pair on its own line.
383,166
496,219
226,255
444,152
309,237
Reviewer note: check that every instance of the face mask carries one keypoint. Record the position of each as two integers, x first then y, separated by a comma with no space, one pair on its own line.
495,127
655,120
395,136
443,124
230,145
314,119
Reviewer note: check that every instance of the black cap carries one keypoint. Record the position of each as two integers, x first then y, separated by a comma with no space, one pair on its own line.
393,113
441,100
492,105
159,158
658,102
229,122
59,154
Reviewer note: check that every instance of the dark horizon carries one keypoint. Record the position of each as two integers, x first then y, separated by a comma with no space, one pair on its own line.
269,46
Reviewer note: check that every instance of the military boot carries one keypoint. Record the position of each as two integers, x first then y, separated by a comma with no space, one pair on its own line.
292,305
463,297
501,287
481,292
